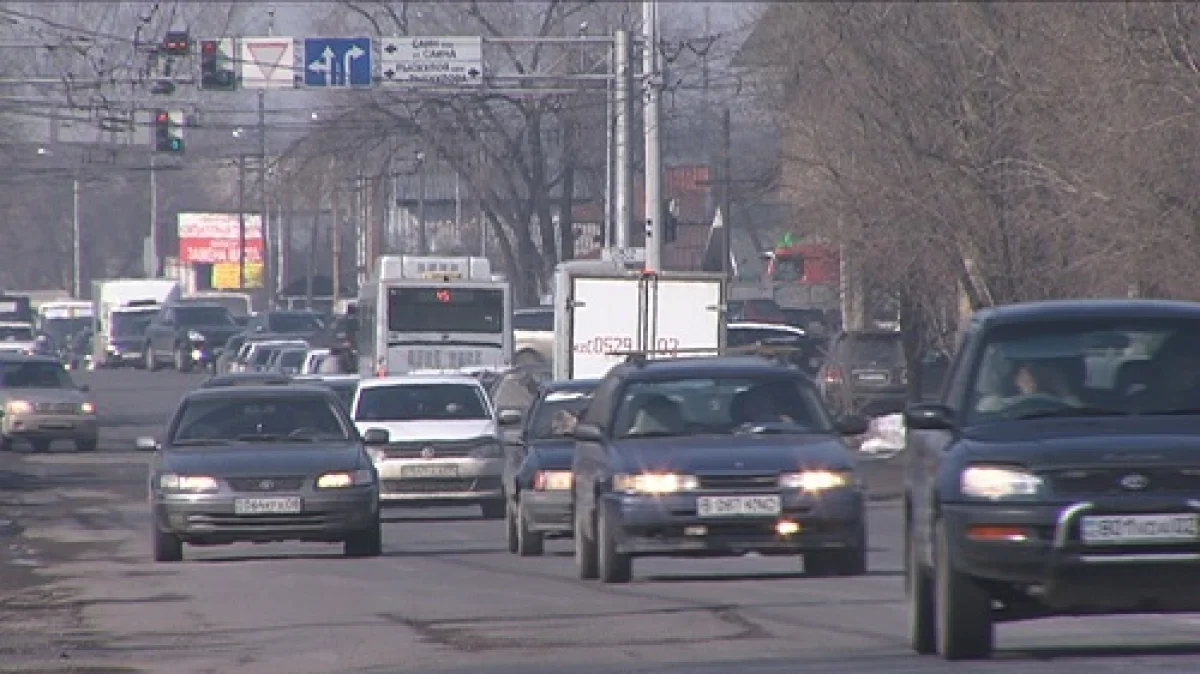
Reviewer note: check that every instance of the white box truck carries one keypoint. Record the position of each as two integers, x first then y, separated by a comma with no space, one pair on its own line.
121,309
603,312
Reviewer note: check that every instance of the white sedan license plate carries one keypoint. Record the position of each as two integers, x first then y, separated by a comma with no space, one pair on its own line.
738,506
429,470
1139,529
267,506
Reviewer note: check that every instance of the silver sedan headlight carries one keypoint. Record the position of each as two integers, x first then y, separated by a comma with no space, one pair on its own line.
344,479
188,484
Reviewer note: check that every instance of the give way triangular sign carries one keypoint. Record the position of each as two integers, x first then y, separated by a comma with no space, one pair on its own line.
270,57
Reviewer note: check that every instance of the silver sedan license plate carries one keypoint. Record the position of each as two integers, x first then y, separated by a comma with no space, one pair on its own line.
767,505
268,506
429,470
1139,529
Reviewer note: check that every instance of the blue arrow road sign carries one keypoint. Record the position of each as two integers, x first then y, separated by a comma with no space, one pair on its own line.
337,62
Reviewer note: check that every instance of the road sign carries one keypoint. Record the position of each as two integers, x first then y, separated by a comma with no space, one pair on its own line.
431,60
337,62
268,62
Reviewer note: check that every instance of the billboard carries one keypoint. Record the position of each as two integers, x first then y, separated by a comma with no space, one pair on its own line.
213,238
226,276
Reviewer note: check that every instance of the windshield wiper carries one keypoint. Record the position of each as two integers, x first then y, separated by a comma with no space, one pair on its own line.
198,442
263,437
1071,412
772,428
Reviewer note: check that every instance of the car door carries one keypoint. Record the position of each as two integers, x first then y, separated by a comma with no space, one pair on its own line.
161,331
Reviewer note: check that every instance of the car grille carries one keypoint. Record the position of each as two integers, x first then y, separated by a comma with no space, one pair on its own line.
440,485
1159,479
724,482
412,450
56,408
266,484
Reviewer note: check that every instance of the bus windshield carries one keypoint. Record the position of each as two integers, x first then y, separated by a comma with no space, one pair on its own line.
446,310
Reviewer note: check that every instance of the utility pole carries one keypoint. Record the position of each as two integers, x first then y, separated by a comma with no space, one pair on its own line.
422,233
622,225
241,205
76,244
727,193
152,272
336,241
267,266
652,119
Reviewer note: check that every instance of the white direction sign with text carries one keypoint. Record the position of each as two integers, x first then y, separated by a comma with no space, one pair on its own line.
431,60
268,62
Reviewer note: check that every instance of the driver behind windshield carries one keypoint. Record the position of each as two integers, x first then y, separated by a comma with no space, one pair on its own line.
761,404
1030,379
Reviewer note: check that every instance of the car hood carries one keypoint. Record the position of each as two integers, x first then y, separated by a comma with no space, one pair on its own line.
1065,442
263,459
553,454
44,395
407,431
742,453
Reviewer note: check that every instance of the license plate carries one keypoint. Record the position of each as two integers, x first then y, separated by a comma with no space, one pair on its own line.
873,377
267,506
430,470
1135,529
738,506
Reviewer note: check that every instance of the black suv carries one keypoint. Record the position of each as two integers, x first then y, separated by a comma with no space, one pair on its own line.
189,334
1058,474
710,457
865,373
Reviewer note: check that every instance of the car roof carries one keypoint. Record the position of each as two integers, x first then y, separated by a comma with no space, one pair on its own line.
255,392
184,302
328,378
412,379
1067,310
230,378
570,385
712,366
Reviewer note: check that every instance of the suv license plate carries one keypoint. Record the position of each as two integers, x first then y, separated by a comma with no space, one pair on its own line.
267,506
738,506
1135,529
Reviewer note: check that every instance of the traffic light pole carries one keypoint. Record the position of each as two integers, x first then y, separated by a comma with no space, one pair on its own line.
652,120
76,244
152,272
242,222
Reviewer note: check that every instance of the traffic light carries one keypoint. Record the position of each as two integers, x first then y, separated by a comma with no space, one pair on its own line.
176,43
215,73
168,131
670,221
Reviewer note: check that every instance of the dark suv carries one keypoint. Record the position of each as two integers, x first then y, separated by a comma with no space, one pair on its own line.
865,373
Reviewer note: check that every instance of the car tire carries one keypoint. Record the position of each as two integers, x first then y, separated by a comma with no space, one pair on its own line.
918,586
585,551
151,362
167,547
963,610
87,444
183,360
510,529
529,543
365,543
614,566
493,510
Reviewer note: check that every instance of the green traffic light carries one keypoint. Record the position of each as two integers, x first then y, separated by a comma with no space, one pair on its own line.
176,145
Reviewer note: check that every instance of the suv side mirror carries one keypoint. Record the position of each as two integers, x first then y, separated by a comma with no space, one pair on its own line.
588,433
929,417
510,416
145,445
377,436
852,425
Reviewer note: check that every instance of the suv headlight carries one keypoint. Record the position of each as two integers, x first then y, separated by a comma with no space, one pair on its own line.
344,479
195,336
19,407
816,480
655,483
192,484
997,482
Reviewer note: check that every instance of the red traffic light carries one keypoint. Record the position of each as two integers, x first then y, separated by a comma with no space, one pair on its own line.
162,117
208,46
443,295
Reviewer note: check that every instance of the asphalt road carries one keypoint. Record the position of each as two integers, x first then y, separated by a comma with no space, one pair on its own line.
79,594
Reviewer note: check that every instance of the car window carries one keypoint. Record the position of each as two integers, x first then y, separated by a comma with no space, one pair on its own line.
34,374
264,355
202,316
555,414
1087,367
691,406
259,418
422,402
885,350
291,359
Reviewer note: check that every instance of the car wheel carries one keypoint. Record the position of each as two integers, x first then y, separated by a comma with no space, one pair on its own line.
183,360
529,543
510,528
365,543
167,547
614,567
493,510
86,444
922,620
40,445
585,550
151,363
962,609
